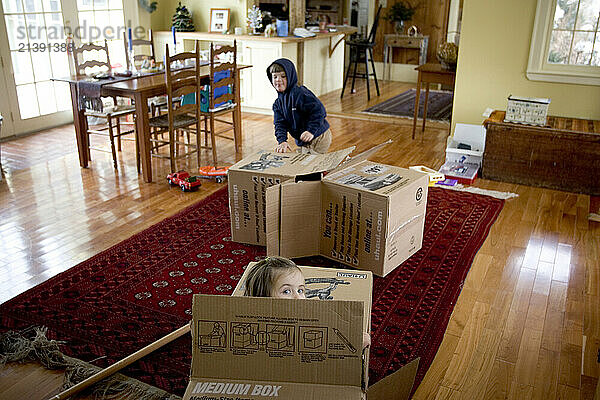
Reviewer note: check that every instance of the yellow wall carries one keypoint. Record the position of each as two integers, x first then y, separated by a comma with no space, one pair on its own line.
200,9
492,61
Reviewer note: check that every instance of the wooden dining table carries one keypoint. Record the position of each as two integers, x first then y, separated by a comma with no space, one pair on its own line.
140,89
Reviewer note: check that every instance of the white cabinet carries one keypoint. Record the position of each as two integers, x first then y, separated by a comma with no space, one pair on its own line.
256,90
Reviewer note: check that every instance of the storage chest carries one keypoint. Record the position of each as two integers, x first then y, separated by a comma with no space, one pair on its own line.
564,155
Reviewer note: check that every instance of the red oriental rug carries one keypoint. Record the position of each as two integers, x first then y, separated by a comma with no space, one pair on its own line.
140,290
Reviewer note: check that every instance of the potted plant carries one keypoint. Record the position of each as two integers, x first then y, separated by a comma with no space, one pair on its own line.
399,12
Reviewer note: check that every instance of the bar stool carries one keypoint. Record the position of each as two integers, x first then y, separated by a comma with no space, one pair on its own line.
361,50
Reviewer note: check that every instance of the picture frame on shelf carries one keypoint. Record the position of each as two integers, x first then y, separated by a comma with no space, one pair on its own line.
219,20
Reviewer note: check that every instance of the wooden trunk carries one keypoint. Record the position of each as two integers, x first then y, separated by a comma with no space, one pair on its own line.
564,155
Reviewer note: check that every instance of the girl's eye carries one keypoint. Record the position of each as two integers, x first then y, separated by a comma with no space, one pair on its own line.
300,291
287,291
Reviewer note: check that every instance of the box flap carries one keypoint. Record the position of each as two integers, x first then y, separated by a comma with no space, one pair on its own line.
396,386
272,211
299,220
469,134
291,164
362,156
374,177
277,340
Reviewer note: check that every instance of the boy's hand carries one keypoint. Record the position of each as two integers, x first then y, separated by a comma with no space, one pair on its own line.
306,136
283,147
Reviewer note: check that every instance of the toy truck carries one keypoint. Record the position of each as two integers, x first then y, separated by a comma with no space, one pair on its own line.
184,180
212,172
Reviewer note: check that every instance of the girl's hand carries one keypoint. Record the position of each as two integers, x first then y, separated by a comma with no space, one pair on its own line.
366,340
307,136
282,147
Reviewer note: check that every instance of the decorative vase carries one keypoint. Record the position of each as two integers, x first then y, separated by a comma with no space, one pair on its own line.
447,54
399,27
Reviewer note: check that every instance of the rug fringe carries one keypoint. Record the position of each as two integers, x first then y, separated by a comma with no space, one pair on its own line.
31,344
487,192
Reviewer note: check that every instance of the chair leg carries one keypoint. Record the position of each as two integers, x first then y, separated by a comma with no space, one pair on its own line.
205,131
118,133
112,142
213,139
374,72
367,73
347,76
237,127
198,141
137,147
354,73
172,149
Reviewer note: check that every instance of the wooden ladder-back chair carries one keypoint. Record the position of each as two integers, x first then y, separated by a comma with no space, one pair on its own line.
144,49
112,114
139,56
180,81
221,95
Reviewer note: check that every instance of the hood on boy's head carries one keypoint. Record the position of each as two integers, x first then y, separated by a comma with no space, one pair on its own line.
290,72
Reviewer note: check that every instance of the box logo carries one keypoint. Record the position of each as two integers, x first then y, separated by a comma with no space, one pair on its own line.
351,275
419,194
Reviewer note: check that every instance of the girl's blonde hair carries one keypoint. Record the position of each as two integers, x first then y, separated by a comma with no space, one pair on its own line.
261,277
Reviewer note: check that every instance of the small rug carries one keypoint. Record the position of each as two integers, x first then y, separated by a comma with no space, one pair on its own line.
141,289
439,105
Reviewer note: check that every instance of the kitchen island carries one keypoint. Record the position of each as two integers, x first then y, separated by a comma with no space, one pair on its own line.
318,59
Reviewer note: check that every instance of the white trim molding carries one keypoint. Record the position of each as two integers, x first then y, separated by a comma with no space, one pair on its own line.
539,69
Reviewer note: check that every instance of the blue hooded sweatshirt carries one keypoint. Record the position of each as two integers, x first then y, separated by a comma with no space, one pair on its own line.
297,109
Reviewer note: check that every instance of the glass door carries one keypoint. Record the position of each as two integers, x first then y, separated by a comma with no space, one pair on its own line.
33,50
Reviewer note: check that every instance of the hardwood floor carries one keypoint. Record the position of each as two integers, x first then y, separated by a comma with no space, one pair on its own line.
526,324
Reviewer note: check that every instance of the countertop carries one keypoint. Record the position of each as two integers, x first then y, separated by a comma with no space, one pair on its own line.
340,30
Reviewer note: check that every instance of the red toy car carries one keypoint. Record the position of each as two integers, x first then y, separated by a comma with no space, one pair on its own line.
211,172
184,180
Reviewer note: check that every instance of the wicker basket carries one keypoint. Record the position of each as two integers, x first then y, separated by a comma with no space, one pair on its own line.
527,110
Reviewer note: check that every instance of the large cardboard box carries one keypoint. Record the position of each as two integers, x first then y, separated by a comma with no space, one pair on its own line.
249,178
254,348
366,215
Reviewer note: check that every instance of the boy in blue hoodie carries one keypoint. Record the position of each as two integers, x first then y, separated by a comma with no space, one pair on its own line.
297,111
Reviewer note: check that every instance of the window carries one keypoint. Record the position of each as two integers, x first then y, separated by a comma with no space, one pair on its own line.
105,16
565,46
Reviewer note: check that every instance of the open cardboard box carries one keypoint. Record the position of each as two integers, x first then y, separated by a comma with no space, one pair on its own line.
254,348
249,178
366,215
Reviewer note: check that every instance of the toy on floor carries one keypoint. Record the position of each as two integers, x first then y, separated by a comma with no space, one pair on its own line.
209,172
434,176
184,180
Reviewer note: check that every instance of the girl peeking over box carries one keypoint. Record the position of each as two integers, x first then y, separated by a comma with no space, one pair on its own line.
280,277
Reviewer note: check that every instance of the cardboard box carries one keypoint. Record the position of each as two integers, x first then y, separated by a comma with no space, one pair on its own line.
364,214
289,349
249,178
473,135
